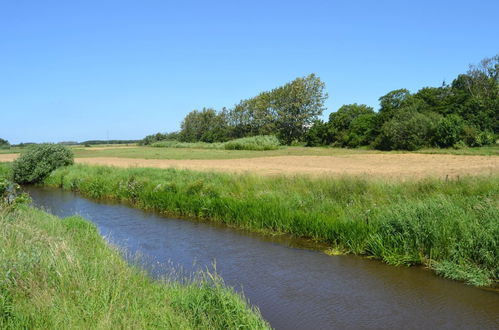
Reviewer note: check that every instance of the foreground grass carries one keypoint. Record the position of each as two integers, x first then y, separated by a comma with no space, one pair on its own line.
60,274
449,226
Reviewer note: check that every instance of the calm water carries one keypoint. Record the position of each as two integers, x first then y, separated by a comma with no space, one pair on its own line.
294,287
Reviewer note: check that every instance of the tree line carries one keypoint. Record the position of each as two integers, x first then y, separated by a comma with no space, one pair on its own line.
462,113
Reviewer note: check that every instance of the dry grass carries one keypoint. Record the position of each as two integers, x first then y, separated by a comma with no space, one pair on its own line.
383,165
408,165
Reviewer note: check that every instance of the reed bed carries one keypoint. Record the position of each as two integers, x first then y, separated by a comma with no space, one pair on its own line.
259,143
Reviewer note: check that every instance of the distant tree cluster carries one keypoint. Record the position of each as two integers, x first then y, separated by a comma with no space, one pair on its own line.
287,112
464,113
4,144
91,142
150,139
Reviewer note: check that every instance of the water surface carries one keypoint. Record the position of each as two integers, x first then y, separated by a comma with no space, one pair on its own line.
295,287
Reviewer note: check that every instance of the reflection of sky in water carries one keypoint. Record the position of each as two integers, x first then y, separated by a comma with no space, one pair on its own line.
293,287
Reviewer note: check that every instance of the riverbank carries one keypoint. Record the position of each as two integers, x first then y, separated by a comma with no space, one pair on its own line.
59,273
451,226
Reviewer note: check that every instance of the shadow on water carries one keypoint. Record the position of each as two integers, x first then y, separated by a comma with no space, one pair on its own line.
294,286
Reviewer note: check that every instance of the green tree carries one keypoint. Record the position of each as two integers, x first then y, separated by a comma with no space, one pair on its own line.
448,131
297,105
4,144
319,134
206,125
392,102
352,125
287,111
407,130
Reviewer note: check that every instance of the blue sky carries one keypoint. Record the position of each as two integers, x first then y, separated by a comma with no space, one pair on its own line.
78,70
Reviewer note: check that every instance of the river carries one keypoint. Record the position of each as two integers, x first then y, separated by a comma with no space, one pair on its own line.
294,285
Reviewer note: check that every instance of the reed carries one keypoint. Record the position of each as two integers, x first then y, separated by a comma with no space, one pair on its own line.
258,143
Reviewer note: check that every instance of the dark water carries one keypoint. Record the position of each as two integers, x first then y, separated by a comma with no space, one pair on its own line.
294,287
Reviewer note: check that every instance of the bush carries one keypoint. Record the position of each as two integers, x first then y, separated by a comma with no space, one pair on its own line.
448,131
474,137
259,142
409,130
39,161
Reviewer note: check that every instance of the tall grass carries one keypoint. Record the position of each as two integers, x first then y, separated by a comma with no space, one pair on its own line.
194,145
60,274
449,226
260,142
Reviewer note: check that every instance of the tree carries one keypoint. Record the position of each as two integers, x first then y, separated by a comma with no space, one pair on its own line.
352,125
407,130
206,125
297,105
318,134
287,111
392,102
4,144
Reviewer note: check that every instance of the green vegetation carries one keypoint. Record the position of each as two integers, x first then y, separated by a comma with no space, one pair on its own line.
259,142
285,111
4,144
464,113
190,145
204,151
41,159
451,226
60,274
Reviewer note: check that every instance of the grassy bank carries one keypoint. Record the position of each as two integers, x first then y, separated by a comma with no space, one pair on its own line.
450,226
60,274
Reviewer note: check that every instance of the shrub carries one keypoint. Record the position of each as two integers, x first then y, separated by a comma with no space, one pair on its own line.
448,131
259,142
409,130
474,137
39,161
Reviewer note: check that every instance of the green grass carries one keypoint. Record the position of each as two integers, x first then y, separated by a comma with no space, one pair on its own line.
60,274
449,226
205,151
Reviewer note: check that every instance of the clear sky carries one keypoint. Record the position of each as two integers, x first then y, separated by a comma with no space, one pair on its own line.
78,70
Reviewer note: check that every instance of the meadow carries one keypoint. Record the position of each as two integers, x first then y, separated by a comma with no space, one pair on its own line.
450,226
60,274
212,151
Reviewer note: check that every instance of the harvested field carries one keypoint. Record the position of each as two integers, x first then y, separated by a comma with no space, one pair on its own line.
384,165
